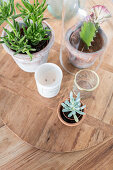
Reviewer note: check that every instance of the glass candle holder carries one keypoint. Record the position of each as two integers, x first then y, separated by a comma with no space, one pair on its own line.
85,82
48,78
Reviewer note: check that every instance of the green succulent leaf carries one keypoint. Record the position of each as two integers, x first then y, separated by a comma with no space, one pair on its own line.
1,42
71,114
81,113
16,16
6,10
83,107
76,118
78,98
67,103
88,31
64,105
71,97
66,110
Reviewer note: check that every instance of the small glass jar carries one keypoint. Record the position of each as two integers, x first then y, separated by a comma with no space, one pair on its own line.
85,82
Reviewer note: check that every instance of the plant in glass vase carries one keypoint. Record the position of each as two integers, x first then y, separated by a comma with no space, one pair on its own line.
27,37
87,41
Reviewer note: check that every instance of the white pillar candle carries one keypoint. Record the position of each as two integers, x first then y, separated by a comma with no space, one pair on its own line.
48,78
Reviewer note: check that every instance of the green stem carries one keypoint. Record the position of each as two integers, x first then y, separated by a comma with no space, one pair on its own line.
97,26
34,2
10,24
33,19
29,54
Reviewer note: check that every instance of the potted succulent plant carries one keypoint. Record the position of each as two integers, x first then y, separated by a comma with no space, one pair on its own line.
27,37
87,41
72,111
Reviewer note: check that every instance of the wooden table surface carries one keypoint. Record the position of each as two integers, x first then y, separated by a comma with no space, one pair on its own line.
16,154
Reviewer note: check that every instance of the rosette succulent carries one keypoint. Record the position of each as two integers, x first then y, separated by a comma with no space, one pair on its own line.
92,23
73,106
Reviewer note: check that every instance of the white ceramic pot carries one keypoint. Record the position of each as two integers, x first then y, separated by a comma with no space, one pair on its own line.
23,60
48,78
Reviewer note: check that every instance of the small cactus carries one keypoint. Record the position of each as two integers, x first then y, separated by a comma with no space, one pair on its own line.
91,24
88,32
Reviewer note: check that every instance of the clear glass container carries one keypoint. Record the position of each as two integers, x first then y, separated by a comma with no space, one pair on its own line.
85,82
55,7
71,58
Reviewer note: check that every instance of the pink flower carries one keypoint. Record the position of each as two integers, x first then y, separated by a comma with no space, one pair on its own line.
100,13
89,18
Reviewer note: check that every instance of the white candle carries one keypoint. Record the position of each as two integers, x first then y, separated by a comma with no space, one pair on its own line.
48,78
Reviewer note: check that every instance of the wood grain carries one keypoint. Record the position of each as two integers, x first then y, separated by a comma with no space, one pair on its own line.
34,118
15,154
